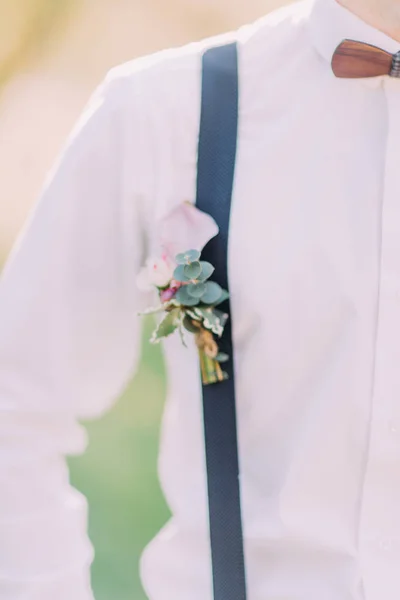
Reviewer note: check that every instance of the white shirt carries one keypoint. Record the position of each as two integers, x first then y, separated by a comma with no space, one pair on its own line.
315,283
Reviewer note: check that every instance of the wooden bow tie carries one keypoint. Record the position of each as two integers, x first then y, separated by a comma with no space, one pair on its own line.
357,60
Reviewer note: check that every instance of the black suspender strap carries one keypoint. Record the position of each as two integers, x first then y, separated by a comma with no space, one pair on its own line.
216,169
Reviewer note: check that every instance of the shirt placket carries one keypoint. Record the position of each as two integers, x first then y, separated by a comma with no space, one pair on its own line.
380,506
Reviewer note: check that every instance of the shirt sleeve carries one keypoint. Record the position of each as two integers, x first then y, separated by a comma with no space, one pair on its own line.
69,339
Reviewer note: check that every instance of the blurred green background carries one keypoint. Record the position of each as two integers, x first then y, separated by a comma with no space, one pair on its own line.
118,475
52,54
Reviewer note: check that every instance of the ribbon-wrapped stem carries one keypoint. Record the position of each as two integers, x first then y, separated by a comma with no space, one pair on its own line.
211,371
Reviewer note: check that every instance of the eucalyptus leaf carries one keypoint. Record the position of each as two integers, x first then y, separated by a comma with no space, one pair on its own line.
212,293
183,297
185,258
193,270
192,255
167,326
224,296
196,289
206,270
180,259
179,274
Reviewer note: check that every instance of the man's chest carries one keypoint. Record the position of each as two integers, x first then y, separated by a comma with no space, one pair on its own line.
310,218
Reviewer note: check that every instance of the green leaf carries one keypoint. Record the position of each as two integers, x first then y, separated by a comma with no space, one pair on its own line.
183,297
224,296
188,325
222,357
206,270
196,289
212,294
193,314
179,274
223,317
152,310
161,308
211,320
182,332
167,326
193,270
185,258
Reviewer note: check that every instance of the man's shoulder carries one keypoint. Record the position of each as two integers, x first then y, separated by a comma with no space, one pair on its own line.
174,68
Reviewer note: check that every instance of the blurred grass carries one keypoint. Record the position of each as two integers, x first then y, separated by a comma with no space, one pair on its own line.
118,475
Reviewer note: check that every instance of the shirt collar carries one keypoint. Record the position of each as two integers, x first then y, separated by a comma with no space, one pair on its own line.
330,24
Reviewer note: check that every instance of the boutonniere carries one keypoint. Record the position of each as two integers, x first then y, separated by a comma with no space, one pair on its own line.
188,297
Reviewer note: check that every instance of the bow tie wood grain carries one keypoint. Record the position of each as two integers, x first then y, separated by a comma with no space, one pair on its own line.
353,60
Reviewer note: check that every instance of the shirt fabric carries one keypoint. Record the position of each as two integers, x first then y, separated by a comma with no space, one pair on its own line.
315,286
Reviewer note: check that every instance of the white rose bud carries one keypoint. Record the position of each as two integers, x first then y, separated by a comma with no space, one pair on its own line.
156,273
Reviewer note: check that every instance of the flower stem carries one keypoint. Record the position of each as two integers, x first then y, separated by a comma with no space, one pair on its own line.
211,371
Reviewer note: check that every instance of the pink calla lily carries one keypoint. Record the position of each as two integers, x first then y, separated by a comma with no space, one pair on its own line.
184,228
